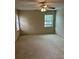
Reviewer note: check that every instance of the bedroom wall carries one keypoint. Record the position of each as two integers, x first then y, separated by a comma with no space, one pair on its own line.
60,22
32,22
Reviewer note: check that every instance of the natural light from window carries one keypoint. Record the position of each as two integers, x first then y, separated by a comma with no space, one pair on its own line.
48,21
17,23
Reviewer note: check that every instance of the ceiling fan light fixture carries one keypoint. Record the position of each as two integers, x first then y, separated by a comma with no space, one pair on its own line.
43,9
43,6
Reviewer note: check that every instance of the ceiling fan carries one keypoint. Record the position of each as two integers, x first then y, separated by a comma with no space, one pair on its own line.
44,6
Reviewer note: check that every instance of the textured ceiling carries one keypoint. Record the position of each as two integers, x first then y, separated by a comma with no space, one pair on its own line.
34,4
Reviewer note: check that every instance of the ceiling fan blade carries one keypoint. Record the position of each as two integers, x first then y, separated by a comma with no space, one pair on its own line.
51,7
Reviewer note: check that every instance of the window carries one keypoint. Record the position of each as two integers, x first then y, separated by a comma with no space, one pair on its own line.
17,23
48,21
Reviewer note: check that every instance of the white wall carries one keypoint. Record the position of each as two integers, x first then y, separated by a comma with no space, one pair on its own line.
60,22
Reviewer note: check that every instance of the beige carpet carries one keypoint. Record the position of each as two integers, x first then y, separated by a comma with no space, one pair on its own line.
40,47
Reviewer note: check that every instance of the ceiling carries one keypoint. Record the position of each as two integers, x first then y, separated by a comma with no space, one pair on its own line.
34,4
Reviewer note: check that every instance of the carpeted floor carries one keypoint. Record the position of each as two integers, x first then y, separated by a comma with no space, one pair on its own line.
39,47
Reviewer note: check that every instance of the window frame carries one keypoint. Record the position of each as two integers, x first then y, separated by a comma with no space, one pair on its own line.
49,21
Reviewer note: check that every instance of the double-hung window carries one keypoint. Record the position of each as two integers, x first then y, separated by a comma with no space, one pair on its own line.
48,20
